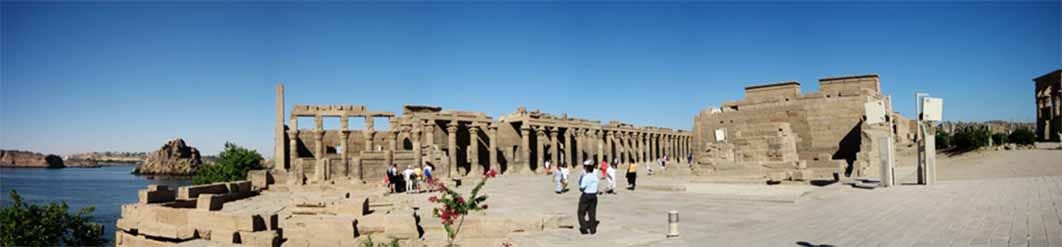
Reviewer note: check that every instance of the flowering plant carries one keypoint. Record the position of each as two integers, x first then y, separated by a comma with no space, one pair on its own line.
455,206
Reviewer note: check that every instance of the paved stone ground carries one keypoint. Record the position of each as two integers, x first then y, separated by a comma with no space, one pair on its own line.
1007,198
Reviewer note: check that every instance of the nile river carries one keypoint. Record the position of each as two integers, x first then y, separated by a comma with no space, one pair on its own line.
106,188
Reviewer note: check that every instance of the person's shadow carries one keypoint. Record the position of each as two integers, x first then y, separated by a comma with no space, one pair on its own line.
806,244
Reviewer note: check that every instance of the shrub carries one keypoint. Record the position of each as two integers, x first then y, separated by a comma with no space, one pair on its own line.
971,138
232,165
23,224
999,138
943,140
1022,136
455,206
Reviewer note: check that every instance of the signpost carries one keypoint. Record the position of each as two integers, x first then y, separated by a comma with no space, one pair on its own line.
929,110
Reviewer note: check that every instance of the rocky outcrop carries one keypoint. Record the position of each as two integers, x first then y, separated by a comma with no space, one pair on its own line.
81,160
175,158
27,159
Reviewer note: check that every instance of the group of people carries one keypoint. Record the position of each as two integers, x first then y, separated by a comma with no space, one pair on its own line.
408,180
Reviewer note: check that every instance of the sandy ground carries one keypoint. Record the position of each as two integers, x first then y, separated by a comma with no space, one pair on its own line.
987,198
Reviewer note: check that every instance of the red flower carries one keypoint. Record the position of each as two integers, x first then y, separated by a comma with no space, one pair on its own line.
460,200
433,199
491,173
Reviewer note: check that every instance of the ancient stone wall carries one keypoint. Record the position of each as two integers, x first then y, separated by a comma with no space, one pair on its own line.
825,125
458,143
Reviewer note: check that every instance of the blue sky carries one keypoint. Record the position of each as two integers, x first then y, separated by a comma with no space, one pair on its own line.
78,77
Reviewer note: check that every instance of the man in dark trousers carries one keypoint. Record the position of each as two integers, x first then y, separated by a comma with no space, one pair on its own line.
588,201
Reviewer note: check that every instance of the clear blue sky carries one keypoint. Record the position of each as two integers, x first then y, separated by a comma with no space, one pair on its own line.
128,76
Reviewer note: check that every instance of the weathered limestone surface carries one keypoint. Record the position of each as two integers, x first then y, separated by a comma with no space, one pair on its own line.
456,143
1049,106
820,128
173,158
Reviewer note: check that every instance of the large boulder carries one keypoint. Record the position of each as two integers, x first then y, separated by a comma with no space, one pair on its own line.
175,158
16,158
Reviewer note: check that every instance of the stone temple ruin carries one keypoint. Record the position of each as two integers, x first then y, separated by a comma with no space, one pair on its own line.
325,187
457,143
779,130
1049,106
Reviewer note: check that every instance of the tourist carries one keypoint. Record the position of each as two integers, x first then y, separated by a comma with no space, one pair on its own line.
427,173
548,168
564,171
392,178
558,178
603,167
418,175
610,178
689,160
632,174
587,210
407,175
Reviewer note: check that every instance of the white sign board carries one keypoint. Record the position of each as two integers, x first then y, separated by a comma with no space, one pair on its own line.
720,135
932,108
875,111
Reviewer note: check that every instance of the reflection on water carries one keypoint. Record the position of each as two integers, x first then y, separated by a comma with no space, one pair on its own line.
106,188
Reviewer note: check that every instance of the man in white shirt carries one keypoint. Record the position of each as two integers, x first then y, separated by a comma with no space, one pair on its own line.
407,175
588,200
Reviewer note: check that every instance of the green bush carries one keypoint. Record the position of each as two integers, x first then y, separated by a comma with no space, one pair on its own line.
971,138
231,165
1022,136
999,138
943,140
23,224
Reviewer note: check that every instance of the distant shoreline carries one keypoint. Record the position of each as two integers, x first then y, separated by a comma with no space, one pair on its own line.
97,165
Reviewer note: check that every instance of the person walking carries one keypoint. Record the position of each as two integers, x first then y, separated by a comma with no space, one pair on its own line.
407,176
632,175
427,173
689,159
564,171
549,169
610,178
392,178
587,210
603,167
558,179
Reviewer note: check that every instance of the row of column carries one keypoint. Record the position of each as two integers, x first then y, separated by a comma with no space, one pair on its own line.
344,135
627,146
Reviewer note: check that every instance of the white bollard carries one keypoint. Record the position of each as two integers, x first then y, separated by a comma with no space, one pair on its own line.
672,224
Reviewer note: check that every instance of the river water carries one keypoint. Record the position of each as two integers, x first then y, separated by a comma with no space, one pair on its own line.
106,188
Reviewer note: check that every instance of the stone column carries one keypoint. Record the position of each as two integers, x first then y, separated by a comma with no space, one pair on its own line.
417,153
369,134
621,146
649,141
525,147
279,153
429,129
608,146
344,135
599,143
641,147
319,153
451,134
389,154
318,131
553,146
568,146
493,144
540,137
578,147
296,167
473,139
